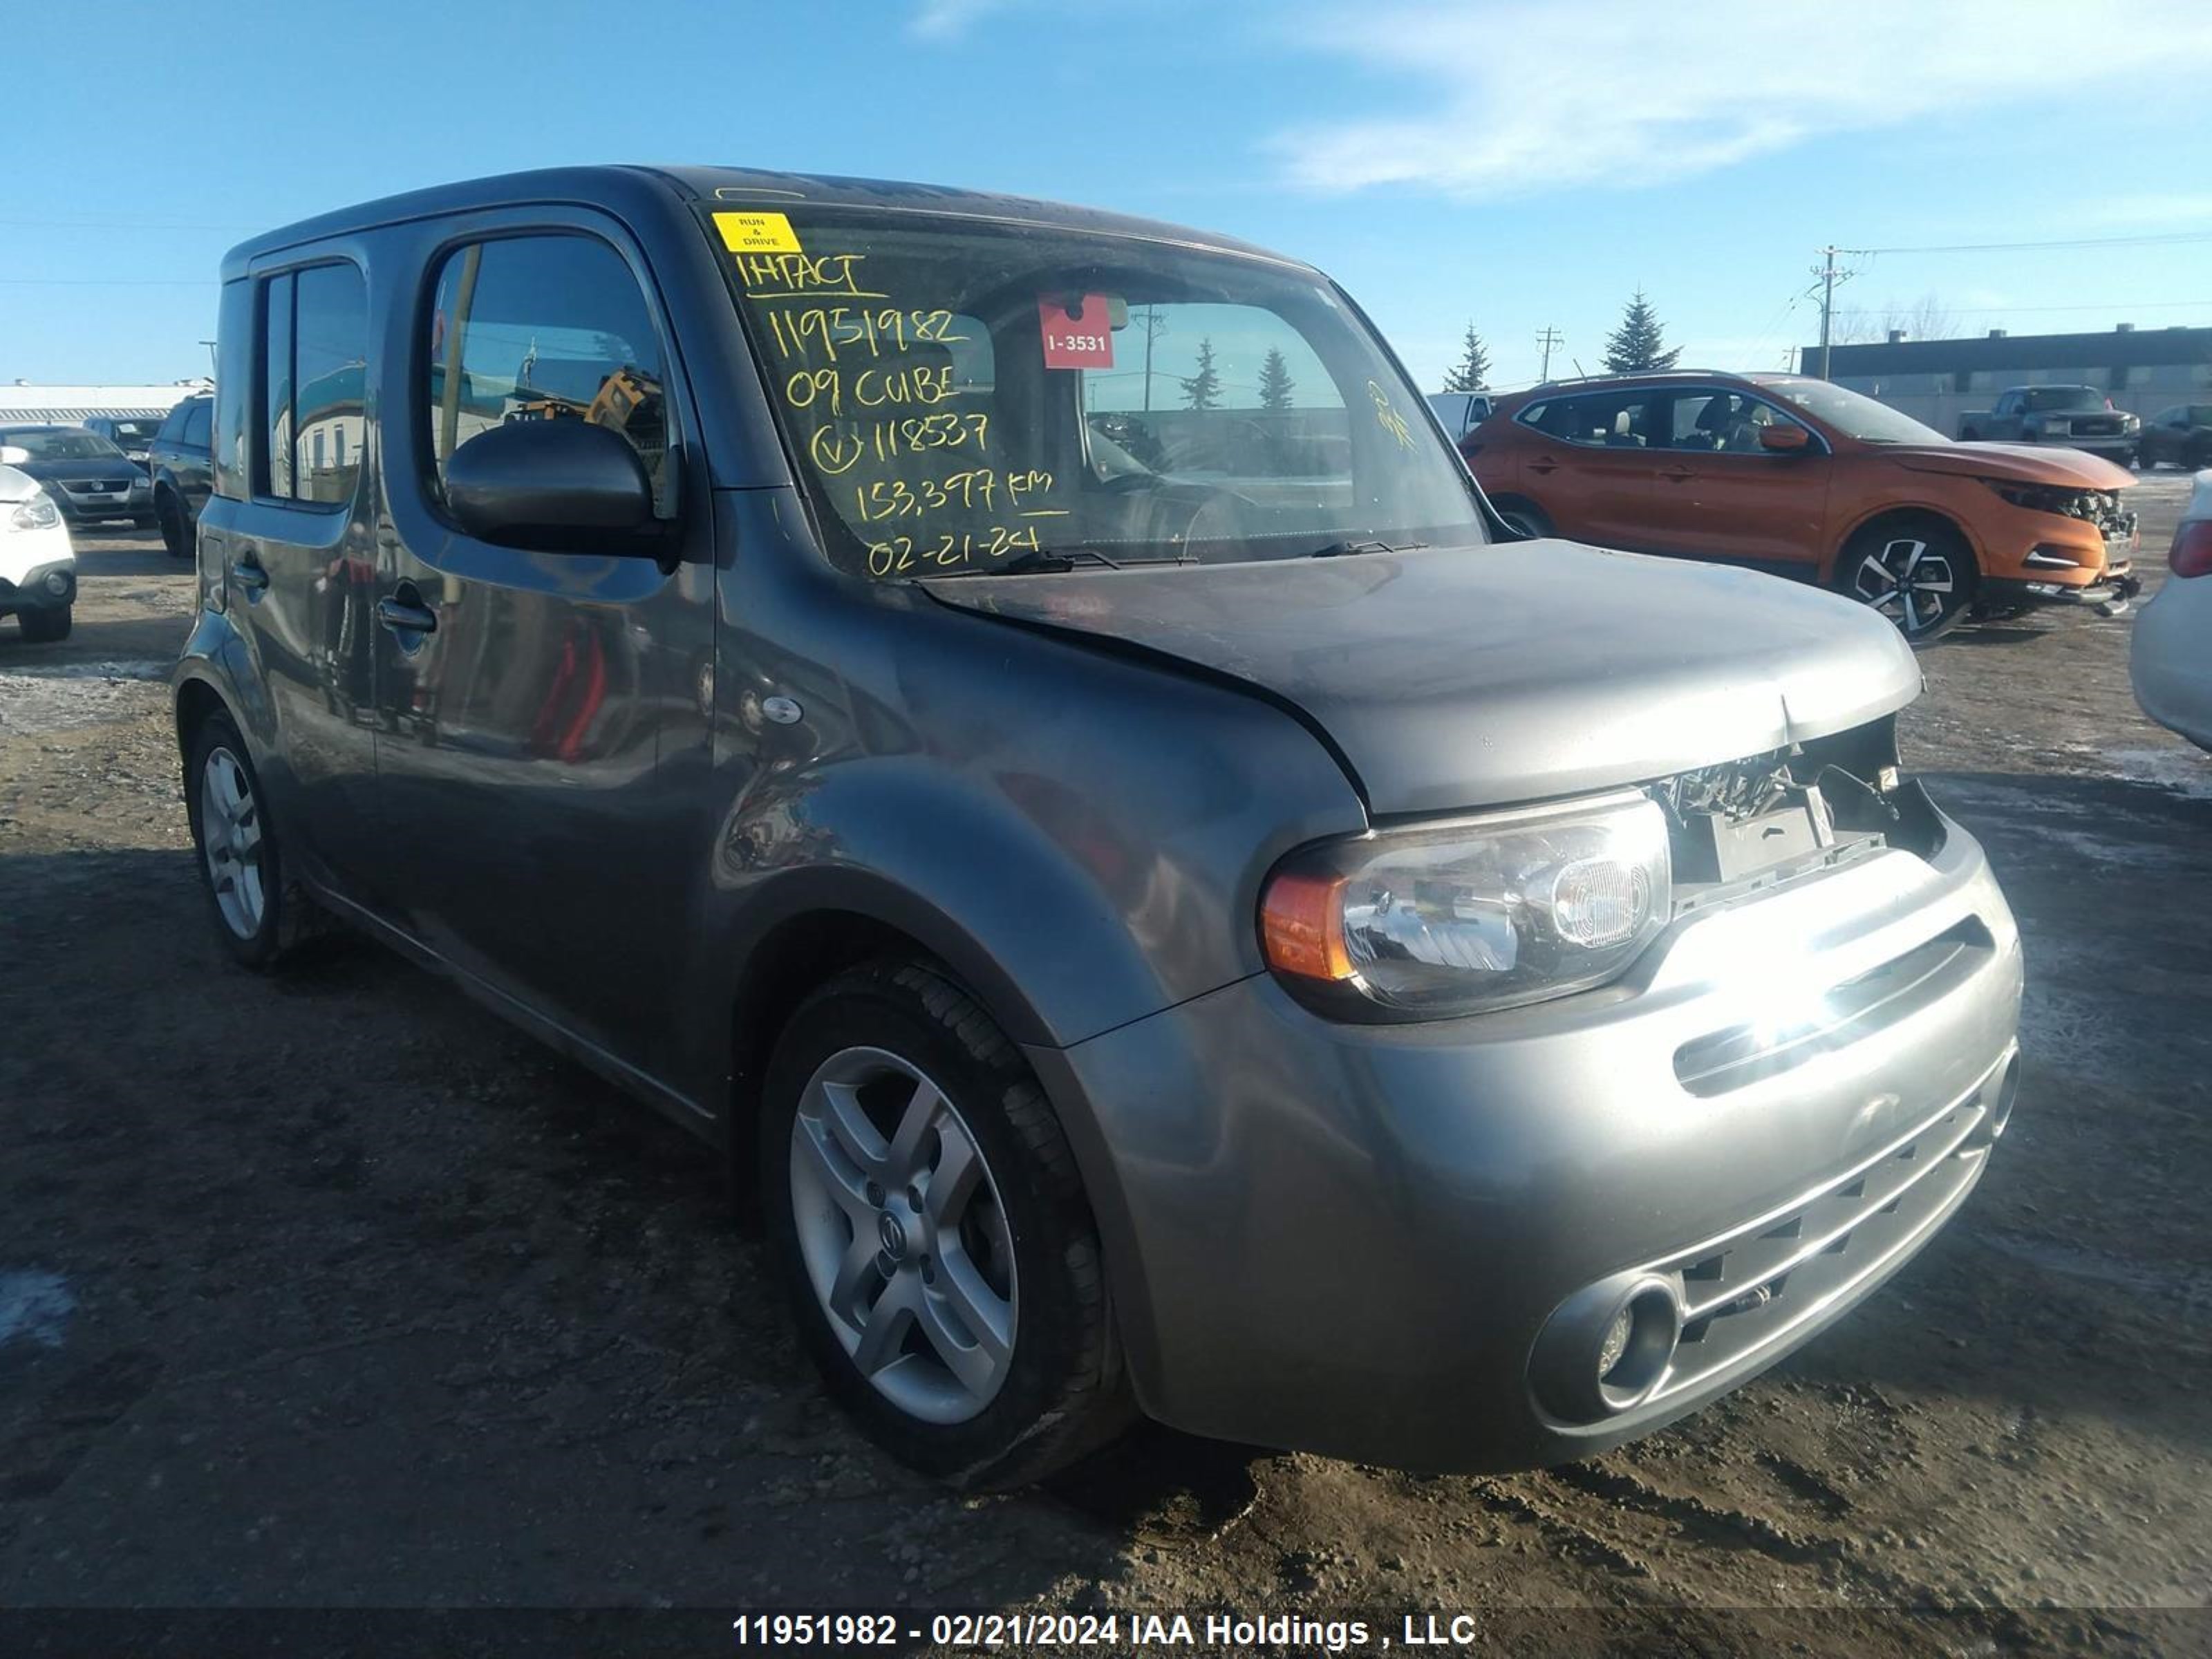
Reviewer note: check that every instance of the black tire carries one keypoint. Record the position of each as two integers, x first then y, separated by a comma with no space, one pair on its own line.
288,918
1063,1392
1529,521
45,625
170,516
1932,578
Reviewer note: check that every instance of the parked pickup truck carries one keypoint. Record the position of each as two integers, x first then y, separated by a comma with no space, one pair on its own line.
2078,416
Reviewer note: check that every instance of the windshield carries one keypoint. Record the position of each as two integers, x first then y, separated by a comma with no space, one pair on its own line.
2064,396
1851,413
59,444
961,394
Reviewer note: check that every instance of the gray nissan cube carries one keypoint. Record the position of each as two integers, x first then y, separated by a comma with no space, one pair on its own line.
1014,724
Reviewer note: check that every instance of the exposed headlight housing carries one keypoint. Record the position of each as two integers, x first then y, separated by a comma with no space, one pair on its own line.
1481,913
2067,502
38,511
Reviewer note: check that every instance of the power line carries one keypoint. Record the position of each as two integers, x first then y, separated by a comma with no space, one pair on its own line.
2101,305
2164,240
123,224
108,282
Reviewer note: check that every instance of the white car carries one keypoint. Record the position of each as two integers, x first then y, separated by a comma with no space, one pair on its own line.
38,566
2172,656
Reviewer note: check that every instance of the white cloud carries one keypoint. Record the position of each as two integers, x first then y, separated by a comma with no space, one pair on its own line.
2157,211
1515,96
948,19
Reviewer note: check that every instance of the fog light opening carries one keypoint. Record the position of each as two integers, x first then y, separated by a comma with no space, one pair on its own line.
1647,1327
1607,1348
2007,1090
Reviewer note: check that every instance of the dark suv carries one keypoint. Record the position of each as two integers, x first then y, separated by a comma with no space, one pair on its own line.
179,465
1165,912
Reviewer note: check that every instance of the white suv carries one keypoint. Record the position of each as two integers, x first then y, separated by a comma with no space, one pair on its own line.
38,566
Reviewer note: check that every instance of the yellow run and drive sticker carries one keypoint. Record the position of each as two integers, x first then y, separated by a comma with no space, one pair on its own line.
757,232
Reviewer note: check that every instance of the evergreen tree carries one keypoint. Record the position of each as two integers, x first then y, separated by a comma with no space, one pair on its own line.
1275,383
1472,372
1203,389
1637,346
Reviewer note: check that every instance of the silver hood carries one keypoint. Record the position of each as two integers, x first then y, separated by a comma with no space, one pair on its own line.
1458,678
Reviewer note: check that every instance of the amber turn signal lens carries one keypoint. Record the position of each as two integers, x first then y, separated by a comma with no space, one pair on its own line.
1302,926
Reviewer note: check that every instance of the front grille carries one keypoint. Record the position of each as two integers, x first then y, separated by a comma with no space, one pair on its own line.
1750,1288
2102,508
1739,1055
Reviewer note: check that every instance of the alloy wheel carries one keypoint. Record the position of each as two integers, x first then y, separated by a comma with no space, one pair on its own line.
903,1235
1913,584
231,842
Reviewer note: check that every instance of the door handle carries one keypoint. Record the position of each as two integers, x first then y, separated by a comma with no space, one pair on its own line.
402,611
1676,475
1543,464
246,570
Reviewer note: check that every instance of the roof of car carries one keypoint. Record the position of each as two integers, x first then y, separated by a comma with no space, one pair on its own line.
613,186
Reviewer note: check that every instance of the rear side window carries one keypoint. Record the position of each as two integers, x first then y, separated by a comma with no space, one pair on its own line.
1612,420
199,422
314,355
543,328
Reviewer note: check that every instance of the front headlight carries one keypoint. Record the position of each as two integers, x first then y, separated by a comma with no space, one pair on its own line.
2066,502
36,513
1486,912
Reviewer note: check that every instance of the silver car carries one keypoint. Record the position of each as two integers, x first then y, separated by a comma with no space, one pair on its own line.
2171,657
1011,722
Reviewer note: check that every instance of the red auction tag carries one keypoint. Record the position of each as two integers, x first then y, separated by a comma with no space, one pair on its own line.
1084,340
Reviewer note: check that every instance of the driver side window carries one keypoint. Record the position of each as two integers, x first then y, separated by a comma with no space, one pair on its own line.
1723,422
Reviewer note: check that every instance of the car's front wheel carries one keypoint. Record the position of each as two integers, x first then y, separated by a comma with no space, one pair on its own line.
1527,521
927,1222
260,914
45,625
1921,576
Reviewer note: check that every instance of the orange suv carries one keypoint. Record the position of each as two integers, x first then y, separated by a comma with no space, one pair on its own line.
1805,477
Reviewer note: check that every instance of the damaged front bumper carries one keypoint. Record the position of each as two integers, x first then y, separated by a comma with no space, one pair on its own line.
2113,592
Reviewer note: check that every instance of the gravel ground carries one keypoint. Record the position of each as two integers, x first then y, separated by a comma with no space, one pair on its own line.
335,1291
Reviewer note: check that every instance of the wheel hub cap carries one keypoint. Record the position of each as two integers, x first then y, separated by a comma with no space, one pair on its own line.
231,842
1909,582
903,1234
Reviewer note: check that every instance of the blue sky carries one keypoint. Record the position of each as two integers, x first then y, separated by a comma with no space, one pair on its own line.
1517,163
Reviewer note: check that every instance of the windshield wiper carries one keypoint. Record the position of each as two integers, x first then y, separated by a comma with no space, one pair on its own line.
1053,559
1338,550
1057,561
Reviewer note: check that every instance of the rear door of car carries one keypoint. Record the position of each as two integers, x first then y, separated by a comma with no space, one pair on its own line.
290,553
1585,461
1719,493
540,710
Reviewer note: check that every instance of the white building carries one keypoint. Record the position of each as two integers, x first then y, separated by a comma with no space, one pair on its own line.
24,404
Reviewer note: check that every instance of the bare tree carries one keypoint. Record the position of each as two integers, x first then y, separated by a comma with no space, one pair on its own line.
1926,318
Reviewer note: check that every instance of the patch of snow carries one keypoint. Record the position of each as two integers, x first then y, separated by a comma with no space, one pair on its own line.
33,705
2184,771
34,1306
133,668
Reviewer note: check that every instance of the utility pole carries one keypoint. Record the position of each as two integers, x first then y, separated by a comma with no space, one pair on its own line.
1155,326
1551,339
1827,274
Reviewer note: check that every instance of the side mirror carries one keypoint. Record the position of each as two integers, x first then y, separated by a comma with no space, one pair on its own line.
554,486
13,455
1784,440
